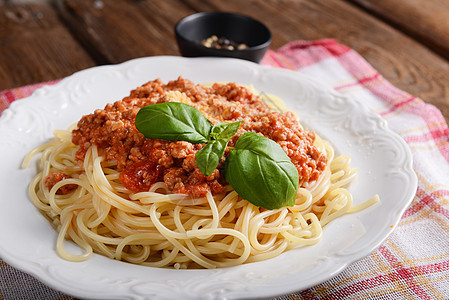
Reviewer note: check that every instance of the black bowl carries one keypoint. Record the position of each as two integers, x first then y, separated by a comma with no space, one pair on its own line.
193,29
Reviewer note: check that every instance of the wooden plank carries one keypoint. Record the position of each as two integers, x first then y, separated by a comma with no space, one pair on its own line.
406,63
119,30
424,20
35,46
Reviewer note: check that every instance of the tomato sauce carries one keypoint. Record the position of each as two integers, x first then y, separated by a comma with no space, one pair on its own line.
146,161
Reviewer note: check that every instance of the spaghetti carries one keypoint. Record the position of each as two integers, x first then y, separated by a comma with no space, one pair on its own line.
162,227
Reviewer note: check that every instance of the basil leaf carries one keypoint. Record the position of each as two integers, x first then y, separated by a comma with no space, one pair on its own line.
224,130
173,121
208,157
261,172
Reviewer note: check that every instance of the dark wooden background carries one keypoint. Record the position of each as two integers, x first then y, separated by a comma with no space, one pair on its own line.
406,40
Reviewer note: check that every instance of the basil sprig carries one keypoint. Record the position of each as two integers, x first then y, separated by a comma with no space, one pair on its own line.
209,156
257,168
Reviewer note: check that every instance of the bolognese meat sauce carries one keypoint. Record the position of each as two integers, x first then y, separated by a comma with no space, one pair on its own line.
146,161
55,177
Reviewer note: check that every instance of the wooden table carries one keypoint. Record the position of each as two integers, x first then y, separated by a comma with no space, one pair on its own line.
407,41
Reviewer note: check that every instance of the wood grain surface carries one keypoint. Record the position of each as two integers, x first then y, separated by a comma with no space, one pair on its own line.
35,46
425,20
45,40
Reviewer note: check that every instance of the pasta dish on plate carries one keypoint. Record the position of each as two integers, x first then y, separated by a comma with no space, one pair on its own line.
184,175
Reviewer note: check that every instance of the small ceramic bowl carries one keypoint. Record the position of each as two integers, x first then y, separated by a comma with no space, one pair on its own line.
222,34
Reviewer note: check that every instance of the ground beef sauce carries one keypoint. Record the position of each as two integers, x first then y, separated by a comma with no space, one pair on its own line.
55,177
146,161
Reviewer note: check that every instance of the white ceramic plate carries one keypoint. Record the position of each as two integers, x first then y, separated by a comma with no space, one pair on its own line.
27,241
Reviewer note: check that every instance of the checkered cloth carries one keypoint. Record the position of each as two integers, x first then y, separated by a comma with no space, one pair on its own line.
414,262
